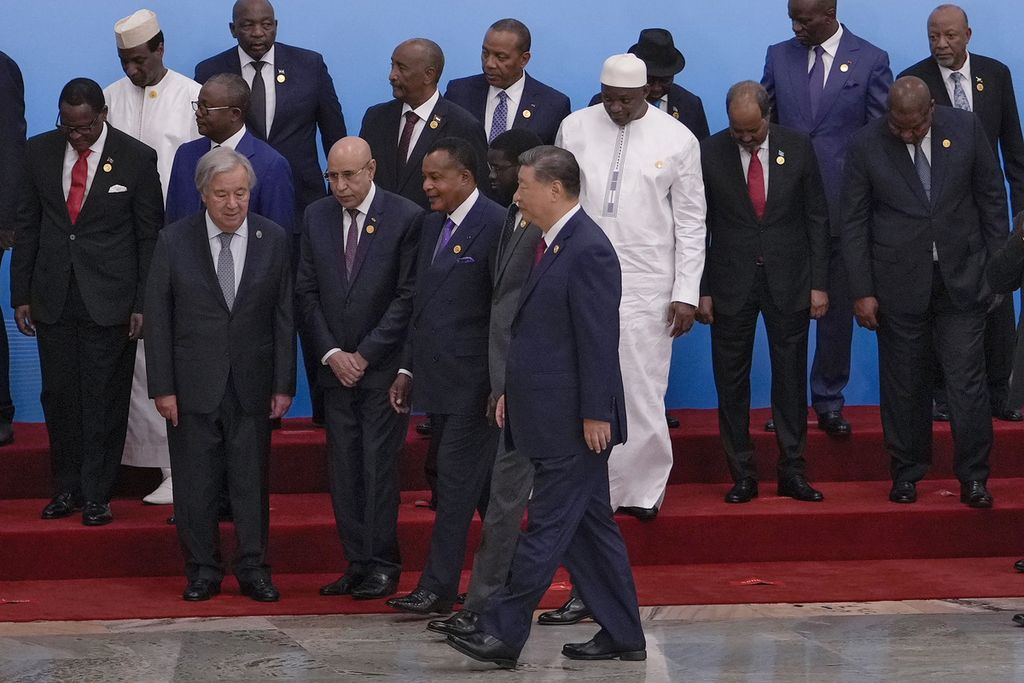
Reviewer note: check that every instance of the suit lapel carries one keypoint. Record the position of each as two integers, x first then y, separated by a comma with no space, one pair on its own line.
734,169
939,161
776,174
102,181
846,54
281,99
478,101
375,220
201,244
526,103
433,128
796,70
979,98
255,255
54,173
897,152
937,86
552,253
457,247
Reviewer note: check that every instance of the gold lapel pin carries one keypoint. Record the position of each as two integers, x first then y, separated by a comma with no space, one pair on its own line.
946,143
370,229
433,124
457,249
675,114
557,248
981,86
522,223
527,113
844,67
281,78
780,160
108,166
259,234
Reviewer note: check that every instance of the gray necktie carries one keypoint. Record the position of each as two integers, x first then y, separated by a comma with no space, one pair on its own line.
226,269
258,102
924,169
959,96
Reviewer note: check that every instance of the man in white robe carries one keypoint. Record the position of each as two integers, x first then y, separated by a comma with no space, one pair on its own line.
154,105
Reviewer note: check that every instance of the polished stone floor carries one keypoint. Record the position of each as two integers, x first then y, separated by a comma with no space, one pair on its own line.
934,640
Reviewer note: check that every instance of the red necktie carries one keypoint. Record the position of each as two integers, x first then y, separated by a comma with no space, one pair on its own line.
755,185
538,253
403,144
79,176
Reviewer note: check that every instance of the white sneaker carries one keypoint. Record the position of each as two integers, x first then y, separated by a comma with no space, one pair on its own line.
163,495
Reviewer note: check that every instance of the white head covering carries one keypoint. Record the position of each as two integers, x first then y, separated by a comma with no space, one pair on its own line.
136,30
624,71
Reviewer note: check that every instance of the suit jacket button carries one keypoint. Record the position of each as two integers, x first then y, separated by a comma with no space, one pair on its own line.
71,237
436,358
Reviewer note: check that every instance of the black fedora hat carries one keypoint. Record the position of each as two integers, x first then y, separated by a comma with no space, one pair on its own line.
659,52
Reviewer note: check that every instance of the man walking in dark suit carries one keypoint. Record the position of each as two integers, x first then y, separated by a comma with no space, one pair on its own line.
355,289
221,111
221,357
446,351
923,210
827,82
504,96
767,253
402,130
12,173
87,221
512,475
292,97
980,84
563,408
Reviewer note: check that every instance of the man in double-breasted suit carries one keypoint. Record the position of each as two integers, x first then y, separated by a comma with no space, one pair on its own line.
221,358
563,407
355,289
401,130
767,255
923,210
88,217
983,85
504,96
445,359
827,82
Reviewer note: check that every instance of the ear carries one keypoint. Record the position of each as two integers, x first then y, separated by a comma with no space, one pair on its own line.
231,27
525,59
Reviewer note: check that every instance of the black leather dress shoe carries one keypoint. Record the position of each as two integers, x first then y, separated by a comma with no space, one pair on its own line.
376,586
1018,619
797,487
1004,414
425,428
975,494
1019,565
260,590
903,492
672,421
572,612
200,589
421,601
462,623
643,514
62,505
833,424
96,514
742,491
940,413
485,648
769,426
6,433
593,650
342,586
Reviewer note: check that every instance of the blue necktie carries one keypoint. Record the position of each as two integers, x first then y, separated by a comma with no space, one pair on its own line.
499,122
959,96
924,169
816,79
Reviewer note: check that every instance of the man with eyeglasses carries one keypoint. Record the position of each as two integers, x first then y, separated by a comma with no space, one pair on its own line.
355,289
89,214
220,114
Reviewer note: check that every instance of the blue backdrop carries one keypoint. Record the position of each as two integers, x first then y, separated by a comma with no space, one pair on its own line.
724,42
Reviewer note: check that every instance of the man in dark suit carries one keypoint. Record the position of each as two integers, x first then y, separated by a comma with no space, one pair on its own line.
923,208
402,130
504,96
88,217
564,409
292,98
12,172
664,61
980,84
220,114
446,350
512,475
767,253
220,350
827,82
355,288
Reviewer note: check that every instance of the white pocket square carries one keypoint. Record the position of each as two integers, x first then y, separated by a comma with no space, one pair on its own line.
117,188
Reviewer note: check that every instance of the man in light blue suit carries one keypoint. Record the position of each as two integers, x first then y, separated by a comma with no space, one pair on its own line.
220,113
828,83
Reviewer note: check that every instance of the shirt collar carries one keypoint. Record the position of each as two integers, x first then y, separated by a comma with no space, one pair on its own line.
965,70
552,234
926,142
514,91
423,111
831,46
459,214
231,142
364,206
212,230
245,58
760,148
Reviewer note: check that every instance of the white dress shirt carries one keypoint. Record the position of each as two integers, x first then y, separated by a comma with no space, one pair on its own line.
661,103
552,234
515,96
423,112
231,142
965,82
238,246
762,155
828,55
71,156
268,74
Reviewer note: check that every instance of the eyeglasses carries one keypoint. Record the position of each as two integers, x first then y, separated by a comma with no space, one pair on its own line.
347,176
81,130
500,168
204,110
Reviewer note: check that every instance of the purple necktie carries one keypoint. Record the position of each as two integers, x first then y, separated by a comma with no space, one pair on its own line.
403,143
816,79
351,242
446,234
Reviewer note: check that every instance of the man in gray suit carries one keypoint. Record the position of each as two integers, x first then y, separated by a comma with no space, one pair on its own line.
512,475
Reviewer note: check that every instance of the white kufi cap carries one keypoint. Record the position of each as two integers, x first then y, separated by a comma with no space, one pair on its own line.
136,30
624,71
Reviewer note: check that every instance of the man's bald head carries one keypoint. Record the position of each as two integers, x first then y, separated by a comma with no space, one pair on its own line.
910,109
948,36
242,6
350,171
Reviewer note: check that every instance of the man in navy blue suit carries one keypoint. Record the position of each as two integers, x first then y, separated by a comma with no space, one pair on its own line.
563,407
355,289
827,83
504,96
446,350
220,113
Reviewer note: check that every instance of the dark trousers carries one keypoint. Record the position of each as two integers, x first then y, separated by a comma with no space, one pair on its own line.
1000,338
364,440
511,482
6,404
907,349
830,370
465,453
732,346
570,523
208,451
430,463
86,386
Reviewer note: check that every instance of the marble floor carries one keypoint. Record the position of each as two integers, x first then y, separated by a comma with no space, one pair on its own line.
930,640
